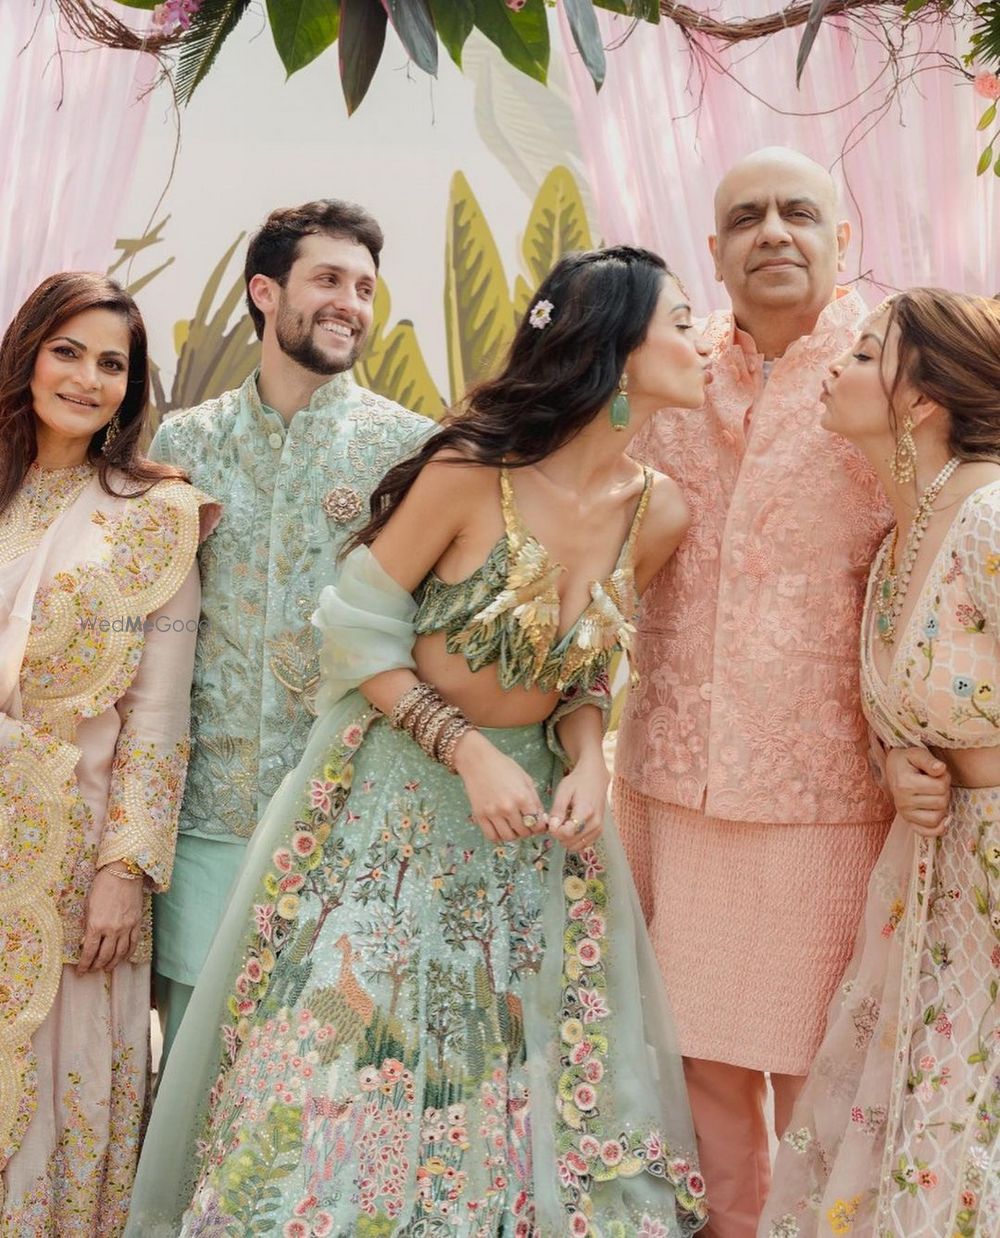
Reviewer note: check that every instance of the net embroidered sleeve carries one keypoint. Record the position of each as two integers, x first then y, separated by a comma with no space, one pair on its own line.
979,556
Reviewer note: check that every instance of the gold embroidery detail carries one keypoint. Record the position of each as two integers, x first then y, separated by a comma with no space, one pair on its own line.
42,819
72,667
147,784
342,504
529,603
44,495
294,663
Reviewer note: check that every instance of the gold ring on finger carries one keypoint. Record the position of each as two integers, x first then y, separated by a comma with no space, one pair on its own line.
529,820
579,826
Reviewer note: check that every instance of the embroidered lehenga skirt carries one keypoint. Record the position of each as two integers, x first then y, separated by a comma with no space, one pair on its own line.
426,1033
896,1134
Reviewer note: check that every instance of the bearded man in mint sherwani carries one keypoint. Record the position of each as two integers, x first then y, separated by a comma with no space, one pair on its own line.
293,455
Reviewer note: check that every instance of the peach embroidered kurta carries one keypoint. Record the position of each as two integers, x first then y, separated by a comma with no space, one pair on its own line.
99,601
748,710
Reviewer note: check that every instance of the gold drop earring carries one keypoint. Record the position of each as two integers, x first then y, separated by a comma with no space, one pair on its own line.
903,465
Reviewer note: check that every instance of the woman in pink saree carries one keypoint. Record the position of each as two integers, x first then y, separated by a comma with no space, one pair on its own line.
896,1131
99,602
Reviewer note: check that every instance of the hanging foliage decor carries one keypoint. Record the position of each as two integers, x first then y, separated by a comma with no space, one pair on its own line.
187,35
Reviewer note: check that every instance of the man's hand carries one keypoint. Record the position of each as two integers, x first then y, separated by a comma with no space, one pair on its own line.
920,786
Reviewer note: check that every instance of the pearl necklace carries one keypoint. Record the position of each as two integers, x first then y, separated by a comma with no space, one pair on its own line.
891,587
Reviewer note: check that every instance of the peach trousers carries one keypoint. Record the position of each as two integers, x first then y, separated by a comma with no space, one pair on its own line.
727,1106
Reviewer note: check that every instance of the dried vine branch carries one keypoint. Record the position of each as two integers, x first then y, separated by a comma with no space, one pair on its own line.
94,24
745,29
91,21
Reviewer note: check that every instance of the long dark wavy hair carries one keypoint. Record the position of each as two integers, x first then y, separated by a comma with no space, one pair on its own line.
54,301
556,377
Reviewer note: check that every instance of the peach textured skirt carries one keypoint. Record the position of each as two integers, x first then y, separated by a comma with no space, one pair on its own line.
752,924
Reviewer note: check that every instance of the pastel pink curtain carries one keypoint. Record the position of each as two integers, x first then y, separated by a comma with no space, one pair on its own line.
71,119
666,126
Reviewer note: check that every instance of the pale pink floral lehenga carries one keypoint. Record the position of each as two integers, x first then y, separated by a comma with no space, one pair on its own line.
896,1132
99,601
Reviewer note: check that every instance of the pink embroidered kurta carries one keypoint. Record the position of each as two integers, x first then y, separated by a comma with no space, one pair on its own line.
99,603
747,707
742,774
897,1132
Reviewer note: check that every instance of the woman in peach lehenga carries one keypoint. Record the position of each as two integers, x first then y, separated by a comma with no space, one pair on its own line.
896,1132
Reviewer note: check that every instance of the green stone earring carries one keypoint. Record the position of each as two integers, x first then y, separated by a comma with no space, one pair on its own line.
620,411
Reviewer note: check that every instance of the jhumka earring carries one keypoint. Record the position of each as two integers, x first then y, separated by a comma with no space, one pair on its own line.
620,411
110,434
903,465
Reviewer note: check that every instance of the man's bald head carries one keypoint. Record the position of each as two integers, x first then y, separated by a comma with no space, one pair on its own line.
778,242
770,160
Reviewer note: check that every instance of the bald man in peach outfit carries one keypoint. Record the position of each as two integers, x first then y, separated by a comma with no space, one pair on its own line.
743,789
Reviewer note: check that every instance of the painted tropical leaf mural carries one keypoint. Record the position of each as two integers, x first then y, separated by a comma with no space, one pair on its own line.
557,225
213,356
477,306
393,364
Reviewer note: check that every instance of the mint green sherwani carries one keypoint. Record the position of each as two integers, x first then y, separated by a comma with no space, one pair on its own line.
291,495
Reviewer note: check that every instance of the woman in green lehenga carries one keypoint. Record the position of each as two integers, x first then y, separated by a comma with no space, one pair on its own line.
439,1010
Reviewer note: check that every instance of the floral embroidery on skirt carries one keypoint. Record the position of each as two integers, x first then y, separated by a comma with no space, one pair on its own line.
380,1072
896,1133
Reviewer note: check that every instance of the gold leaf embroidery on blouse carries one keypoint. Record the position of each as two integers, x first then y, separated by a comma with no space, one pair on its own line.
507,612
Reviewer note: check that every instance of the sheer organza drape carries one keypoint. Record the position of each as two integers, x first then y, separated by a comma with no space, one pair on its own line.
71,119
666,125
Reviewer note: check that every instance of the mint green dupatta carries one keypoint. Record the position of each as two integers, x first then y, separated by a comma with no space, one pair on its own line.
367,622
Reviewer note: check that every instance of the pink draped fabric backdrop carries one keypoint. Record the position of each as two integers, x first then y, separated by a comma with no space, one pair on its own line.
660,134
71,120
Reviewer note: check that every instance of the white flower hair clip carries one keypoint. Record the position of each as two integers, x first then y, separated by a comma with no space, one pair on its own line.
541,314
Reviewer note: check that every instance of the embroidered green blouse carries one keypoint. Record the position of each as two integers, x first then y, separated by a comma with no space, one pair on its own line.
507,611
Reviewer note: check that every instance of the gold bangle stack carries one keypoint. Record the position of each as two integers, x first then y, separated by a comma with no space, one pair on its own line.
418,693
432,724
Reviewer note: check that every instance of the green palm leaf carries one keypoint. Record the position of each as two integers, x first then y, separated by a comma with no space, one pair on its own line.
215,22
212,356
393,364
986,36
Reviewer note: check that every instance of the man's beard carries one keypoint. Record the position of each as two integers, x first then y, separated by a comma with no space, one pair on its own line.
295,340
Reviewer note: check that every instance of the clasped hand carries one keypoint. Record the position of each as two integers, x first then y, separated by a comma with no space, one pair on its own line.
920,786
506,806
